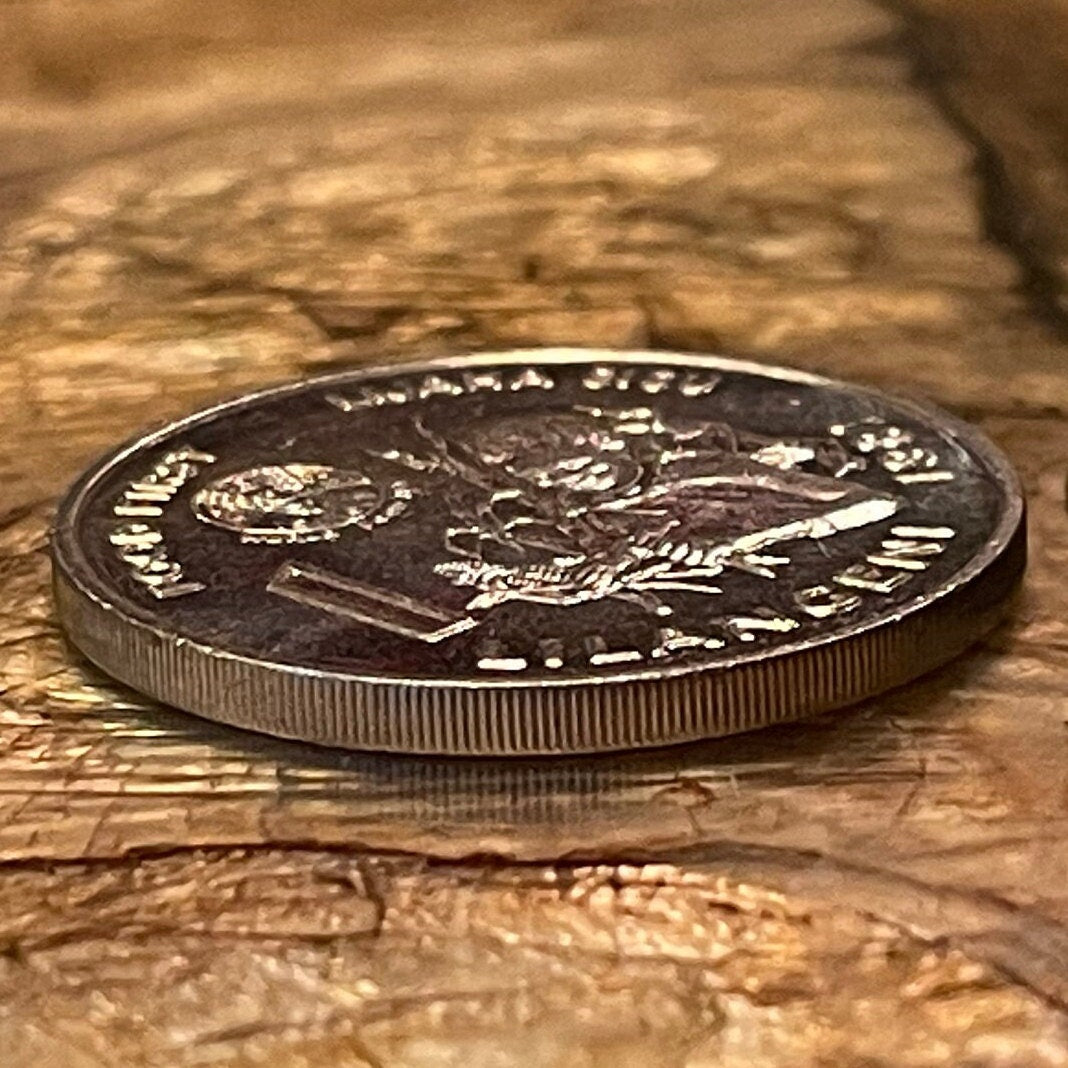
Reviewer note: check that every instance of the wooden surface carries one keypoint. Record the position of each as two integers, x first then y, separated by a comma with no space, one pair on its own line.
199,197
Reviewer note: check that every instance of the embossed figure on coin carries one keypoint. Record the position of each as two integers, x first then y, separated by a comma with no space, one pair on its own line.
297,502
559,508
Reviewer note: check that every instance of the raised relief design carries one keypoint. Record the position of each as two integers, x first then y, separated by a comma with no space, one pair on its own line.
297,503
581,505
569,506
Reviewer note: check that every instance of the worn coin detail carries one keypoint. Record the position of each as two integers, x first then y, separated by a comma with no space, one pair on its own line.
538,552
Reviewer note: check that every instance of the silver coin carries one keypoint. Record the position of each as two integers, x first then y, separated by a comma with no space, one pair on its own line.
538,552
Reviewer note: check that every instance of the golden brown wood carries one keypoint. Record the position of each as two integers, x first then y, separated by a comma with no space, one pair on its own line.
199,197
999,70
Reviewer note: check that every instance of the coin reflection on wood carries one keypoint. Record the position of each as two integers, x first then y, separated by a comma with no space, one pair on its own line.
540,552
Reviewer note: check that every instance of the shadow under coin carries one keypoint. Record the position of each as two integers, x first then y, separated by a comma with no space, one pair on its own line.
875,750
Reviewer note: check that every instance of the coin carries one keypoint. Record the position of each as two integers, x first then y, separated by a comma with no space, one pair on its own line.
550,551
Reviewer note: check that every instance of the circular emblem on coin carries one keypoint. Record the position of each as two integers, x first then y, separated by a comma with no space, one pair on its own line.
538,552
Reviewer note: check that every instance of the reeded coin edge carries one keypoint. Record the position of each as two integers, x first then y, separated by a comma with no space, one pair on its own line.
389,716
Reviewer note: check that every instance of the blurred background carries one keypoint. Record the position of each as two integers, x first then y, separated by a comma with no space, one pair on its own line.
225,193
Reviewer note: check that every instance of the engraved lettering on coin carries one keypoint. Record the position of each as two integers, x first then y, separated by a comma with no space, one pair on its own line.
137,539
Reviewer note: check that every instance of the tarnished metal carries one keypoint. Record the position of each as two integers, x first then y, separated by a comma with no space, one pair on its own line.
538,552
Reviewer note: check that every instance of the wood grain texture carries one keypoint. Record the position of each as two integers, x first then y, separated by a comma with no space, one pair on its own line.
999,71
202,197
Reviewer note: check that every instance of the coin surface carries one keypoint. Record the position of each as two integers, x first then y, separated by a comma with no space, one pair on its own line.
548,551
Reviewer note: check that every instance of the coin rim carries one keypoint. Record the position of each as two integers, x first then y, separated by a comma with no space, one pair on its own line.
67,553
